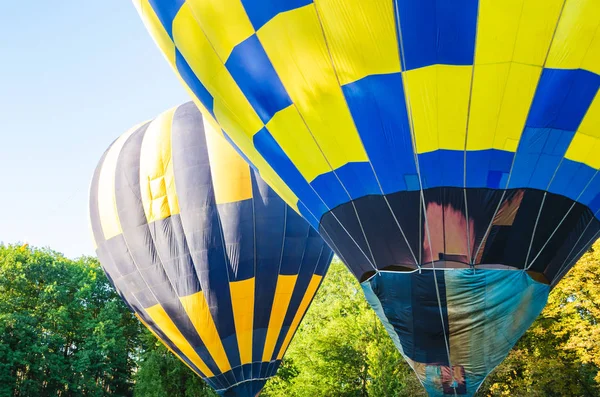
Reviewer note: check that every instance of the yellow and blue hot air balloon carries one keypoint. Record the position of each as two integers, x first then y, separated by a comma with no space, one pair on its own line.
209,258
448,150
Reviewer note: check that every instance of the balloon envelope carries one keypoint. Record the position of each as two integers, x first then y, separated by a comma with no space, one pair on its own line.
209,258
447,150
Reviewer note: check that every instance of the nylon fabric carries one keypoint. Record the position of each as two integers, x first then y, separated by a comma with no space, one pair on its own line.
201,243
411,134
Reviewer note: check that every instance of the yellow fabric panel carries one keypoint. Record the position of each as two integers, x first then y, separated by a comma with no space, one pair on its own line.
166,325
199,313
307,157
501,98
230,173
590,125
361,36
246,146
497,28
439,97
295,45
315,281
224,22
242,302
585,149
575,35
231,115
538,23
230,104
585,146
515,30
157,31
281,301
107,202
163,342
157,181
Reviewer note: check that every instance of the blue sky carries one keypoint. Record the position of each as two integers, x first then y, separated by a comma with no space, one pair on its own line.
75,74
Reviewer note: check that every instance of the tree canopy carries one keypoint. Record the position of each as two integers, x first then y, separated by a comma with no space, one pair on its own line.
65,332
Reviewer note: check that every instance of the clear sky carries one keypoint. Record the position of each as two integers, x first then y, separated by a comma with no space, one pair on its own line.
74,75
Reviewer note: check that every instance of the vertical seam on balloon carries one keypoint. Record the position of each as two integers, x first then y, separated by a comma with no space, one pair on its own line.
300,322
360,138
145,127
330,210
529,111
510,63
562,220
407,96
467,220
555,172
165,273
169,219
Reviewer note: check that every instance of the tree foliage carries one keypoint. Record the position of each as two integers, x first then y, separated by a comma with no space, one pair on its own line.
65,332
161,374
63,329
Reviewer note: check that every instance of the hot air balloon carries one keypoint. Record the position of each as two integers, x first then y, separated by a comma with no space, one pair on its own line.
208,257
448,151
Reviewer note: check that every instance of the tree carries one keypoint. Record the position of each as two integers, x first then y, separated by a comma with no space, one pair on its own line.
161,374
63,329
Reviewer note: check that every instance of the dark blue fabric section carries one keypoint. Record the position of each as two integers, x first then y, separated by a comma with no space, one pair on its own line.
437,32
237,223
411,305
352,180
271,151
442,168
488,168
254,74
166,10
188,75
262,11
200,220
562,98
571,180
379,110
270,217
295,243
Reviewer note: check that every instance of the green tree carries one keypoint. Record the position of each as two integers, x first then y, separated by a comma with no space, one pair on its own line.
63,329
161,374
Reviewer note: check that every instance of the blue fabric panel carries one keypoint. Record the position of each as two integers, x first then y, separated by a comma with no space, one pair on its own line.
571,179
237,224
254,74
442,168
350,181
271,151
562,98
201,222
437,32
188,75
538,156
262,11
295,243
166,12
490,308
379,110
488,168
269,229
